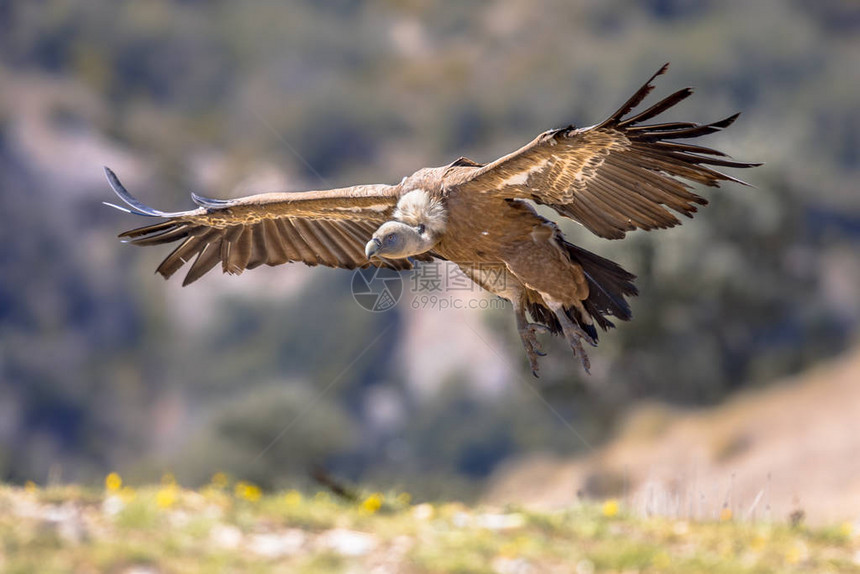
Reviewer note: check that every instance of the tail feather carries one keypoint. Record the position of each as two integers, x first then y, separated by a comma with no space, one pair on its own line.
609,285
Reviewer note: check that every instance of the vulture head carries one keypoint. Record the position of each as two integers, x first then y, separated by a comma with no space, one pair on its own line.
418,225
398,240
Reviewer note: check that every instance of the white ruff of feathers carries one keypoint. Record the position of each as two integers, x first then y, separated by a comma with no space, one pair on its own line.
417,207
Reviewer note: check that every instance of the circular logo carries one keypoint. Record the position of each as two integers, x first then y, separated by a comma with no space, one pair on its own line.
376,288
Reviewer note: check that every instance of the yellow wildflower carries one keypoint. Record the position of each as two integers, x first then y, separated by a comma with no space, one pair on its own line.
662,560
113,482
220,480
758,543
404,498
515,547
846,529
30,486
509,550
610,508
372,503
794,555
166,496
293,498
247,491
725,514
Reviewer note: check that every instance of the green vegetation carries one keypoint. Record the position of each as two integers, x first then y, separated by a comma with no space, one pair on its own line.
235,528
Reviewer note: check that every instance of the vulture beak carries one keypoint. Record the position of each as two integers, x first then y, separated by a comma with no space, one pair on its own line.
372,247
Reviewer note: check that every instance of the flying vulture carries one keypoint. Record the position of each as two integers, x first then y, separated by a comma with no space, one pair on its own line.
619,175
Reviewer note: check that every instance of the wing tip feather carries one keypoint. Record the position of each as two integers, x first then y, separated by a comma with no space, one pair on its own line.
726,122
636,98
135,206
208,202
663,69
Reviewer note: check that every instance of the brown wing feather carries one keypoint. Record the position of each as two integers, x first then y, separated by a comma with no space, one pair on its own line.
616,176
317,228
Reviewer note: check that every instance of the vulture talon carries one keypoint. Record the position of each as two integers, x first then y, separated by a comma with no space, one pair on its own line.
576,344
527,333
539,328
573,333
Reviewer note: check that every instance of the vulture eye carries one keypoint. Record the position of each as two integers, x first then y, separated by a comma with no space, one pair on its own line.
420,229
388,239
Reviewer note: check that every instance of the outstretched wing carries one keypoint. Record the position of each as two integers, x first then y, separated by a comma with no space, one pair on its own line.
616,176
316,227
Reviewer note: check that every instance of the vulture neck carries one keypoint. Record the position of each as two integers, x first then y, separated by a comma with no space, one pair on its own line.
417,207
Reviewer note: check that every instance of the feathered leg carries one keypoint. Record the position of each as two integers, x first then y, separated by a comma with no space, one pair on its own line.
572,332
528,333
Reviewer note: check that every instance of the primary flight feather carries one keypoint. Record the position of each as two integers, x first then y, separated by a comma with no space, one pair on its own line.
613,177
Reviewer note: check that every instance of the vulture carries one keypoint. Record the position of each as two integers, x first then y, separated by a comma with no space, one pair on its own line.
622,174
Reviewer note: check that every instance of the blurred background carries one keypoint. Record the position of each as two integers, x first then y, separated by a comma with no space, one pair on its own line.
104,366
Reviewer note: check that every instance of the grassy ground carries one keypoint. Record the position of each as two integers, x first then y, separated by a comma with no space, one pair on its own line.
235,528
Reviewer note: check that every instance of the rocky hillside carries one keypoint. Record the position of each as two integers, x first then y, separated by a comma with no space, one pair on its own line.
790,448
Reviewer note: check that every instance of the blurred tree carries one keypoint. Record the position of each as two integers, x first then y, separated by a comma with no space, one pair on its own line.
101,369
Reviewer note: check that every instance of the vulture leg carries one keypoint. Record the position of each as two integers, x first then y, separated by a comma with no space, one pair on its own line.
572,332
527,333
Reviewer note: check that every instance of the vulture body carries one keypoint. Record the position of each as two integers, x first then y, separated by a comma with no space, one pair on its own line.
619,175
